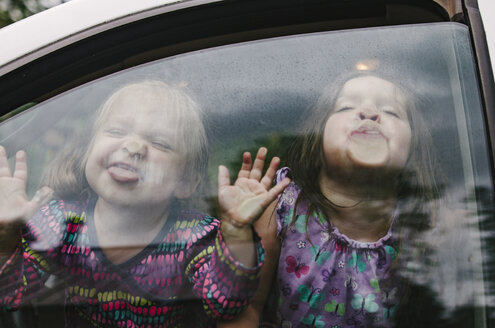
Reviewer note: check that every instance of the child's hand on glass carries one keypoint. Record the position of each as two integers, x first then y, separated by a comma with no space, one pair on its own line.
15,208
242,203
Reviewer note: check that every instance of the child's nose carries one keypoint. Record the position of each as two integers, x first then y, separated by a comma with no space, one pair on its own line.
369,114
135,147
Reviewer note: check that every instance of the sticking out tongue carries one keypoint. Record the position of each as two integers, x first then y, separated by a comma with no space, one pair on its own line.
368,151
123,174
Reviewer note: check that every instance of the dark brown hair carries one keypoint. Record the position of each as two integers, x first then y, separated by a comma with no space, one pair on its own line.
417,186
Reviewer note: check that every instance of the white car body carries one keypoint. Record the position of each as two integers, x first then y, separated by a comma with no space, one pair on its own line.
65,23
487,9
51,29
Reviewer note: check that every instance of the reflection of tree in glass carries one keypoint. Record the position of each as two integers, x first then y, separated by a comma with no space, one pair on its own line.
449,277
277,145
481,200
14,10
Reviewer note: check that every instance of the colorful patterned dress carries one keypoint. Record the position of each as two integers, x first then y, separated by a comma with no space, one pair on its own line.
329,280
184,278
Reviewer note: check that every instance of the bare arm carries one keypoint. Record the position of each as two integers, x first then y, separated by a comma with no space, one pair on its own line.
266,227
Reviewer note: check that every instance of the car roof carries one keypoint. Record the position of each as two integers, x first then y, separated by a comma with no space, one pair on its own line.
74,20
52,29
70,22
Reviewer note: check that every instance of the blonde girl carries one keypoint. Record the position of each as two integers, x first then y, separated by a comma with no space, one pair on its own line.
117,235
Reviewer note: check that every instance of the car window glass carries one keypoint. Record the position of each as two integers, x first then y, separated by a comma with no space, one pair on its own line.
257,94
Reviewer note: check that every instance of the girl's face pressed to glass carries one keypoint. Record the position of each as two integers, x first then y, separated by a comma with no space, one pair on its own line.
133,159
368,126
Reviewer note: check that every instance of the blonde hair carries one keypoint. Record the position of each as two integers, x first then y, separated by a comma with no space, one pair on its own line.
66,174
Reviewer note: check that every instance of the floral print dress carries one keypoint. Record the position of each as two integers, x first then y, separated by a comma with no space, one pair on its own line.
326,279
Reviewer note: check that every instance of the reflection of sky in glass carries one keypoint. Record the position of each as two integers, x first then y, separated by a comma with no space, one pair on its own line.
265,86
254,89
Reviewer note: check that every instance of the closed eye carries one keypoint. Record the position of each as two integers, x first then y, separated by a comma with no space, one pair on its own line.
115,132
161,145
343,109
392,113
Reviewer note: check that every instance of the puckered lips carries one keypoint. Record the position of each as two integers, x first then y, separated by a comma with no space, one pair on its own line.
368,146
122,171
368,130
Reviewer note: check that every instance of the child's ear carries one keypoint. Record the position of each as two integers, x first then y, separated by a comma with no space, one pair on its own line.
188,186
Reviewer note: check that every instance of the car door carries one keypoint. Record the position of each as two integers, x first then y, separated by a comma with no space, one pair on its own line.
257,69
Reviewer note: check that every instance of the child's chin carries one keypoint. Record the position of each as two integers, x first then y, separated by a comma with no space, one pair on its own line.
368,158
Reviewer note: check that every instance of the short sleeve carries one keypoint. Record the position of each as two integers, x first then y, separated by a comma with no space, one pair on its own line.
286,201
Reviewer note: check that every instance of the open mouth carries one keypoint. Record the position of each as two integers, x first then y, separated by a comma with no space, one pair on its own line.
123,172
124,166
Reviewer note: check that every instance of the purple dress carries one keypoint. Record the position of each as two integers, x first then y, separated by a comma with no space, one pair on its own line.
329,280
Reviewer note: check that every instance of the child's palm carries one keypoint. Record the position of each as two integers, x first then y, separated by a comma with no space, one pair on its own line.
243,202
13,199
15,207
